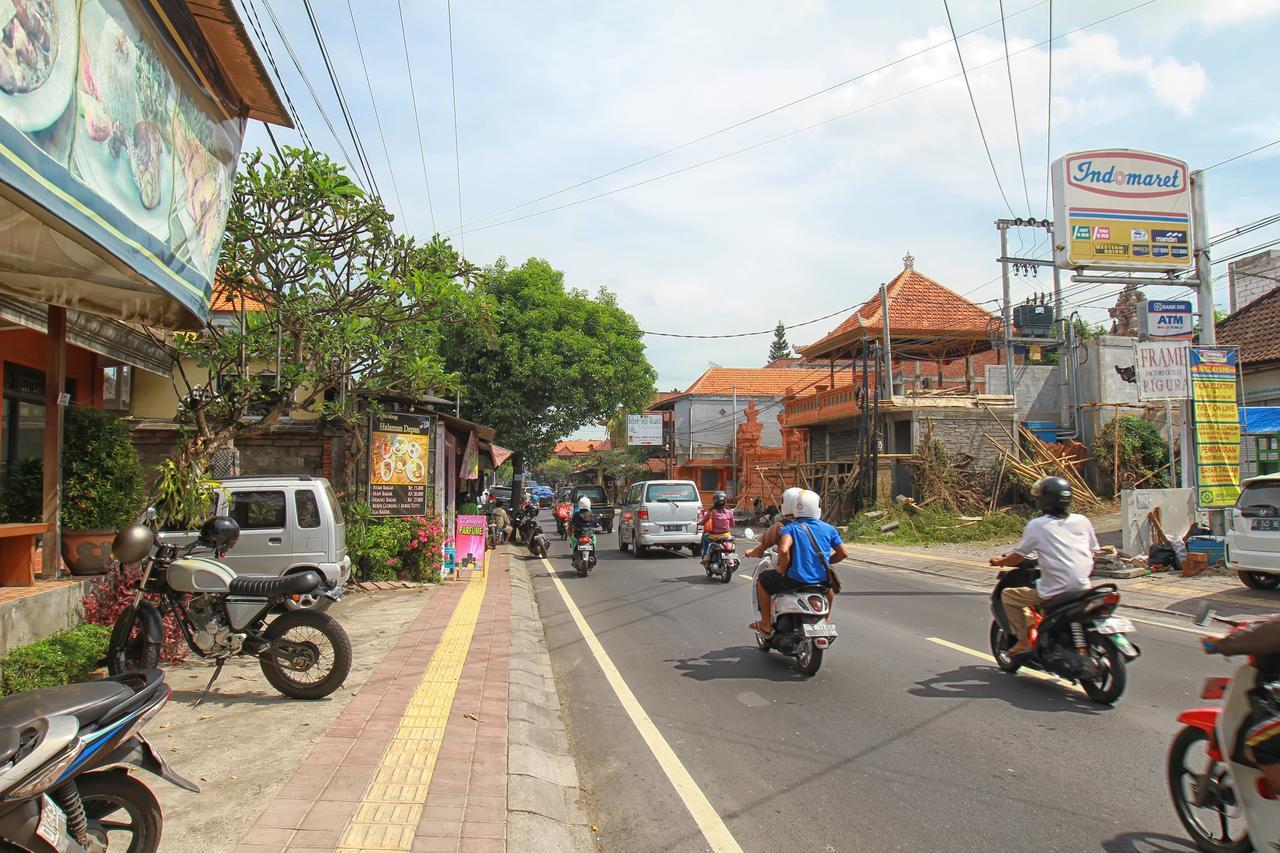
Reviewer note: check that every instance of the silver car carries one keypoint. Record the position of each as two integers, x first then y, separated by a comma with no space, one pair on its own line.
660,513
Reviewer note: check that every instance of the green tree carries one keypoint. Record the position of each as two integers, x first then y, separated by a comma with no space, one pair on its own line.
554,470
554,360
780,348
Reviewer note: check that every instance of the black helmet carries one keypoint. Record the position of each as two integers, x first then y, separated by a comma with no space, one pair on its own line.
132,543
220,533
1053,495
720,499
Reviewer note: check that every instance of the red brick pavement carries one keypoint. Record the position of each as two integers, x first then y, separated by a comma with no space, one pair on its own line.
466,804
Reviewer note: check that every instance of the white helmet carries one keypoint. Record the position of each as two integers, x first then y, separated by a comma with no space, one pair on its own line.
789,496
584,503
808,505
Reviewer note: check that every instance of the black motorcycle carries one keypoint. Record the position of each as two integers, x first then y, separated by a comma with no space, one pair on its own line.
722,559
65,756
1077,637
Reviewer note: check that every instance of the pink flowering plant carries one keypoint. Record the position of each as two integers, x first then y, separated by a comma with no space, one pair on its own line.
385,549
425,554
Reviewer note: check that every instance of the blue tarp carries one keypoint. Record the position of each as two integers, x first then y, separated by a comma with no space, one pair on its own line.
1259,419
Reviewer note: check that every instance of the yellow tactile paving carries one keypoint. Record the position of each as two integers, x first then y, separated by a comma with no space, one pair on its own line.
388,814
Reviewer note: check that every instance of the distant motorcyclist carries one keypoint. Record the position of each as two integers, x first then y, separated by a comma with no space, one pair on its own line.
1064,542
807,549
582,520
716,523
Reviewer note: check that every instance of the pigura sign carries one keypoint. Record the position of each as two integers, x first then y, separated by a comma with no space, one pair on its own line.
1122,209
1162,370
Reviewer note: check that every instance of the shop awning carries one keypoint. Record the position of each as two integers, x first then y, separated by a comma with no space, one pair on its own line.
496,453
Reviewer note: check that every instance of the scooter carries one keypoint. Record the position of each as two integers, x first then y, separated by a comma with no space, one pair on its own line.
584,552
1075,634
800,629
1222,799
722,559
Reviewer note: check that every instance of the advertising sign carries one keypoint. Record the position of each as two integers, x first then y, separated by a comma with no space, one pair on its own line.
469,468
1162,370
644,430
111,126
468,542
1165,320
401,465
1217,425
1122,209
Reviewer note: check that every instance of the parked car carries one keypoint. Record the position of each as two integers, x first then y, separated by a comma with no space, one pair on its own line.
660,513
1253,533
600,507
287,525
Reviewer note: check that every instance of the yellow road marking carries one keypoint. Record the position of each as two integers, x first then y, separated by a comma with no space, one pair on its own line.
387,817
1034,673
700,809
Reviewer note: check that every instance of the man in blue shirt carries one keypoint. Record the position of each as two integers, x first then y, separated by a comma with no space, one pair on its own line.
807,546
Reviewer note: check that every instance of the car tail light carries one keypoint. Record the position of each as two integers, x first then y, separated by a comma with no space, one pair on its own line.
584,540
643,514
1215,687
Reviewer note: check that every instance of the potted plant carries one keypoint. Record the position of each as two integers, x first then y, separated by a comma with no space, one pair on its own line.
101,487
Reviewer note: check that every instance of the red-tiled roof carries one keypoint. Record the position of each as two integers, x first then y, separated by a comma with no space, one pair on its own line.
226,298
1255,328
581,446
663,396
753,381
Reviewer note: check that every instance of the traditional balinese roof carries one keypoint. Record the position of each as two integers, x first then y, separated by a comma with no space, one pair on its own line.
580,446
752,381
1255,329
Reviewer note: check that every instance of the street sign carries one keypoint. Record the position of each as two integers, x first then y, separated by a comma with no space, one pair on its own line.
1122,209
1217,425
1165,320
644,430
1162,370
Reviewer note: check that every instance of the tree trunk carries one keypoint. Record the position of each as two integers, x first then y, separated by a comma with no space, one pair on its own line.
352,454
517,479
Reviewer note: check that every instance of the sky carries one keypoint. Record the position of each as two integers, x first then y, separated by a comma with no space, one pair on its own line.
552,94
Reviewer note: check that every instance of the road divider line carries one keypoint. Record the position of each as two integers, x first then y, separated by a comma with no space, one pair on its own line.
700,809
922,556
1034,673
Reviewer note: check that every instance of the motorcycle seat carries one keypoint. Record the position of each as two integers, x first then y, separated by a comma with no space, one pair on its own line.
88,702
270,585
1063,599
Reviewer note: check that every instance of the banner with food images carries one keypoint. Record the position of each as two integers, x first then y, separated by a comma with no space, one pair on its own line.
122,132
1217,425
401,465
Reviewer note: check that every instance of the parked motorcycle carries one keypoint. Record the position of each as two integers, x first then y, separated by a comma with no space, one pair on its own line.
1222,799
722,558
526,524
65,756
1076,636
304,654
800,626
584,551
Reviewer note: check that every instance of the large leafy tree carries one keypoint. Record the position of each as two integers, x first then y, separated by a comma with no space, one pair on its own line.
554,360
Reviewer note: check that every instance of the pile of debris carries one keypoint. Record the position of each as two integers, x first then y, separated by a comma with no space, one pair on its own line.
947,480
1041,460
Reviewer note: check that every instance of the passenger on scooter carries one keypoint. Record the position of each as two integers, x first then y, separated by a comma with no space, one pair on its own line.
1262,727
785,514
1063,541
807,548
581,521
716,522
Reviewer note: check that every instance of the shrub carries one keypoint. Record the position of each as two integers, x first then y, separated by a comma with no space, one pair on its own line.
1143,454
425,555
21,491
112,593
61,658
101,474
384,549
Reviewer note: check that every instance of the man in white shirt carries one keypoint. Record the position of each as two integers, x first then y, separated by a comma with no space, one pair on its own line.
1063,542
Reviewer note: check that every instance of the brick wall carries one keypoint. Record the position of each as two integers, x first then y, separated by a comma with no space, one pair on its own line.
962,431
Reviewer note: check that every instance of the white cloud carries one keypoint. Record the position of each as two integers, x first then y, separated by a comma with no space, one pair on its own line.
1097,60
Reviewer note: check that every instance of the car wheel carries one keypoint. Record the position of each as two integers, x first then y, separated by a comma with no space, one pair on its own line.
622,544
1260,580
637,549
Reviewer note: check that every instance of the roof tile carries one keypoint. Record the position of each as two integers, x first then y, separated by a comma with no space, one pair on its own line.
1255,329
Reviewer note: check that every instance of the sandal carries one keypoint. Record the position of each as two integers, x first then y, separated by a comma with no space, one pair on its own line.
761,629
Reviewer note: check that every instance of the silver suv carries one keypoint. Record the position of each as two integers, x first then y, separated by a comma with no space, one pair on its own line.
287,525
660,513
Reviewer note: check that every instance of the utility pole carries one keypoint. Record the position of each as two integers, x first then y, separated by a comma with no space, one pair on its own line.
888,349
1065,415
1007,316
1208,327
733,459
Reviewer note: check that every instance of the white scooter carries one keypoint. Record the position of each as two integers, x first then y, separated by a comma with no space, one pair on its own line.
1222,799
799,625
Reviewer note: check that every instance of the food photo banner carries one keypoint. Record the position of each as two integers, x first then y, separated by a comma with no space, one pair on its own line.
401,465
1217,425
114,120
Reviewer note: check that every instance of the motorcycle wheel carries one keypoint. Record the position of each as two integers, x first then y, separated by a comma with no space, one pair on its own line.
809,658
728,576
129,648
1000,645
1214,835
124,815
327,667
1109,686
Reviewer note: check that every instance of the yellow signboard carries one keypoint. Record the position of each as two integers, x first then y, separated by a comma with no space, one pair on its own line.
1217,425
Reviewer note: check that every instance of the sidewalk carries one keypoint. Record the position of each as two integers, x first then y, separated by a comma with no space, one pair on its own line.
454,743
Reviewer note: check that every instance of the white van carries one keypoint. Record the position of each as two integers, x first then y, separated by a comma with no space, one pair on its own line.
660,513
1253,533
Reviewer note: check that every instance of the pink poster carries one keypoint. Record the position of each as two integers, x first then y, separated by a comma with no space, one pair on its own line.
468,544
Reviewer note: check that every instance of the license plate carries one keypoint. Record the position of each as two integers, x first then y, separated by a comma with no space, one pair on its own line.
672,528
821,629
586,547
1114,625
53,824
1266,524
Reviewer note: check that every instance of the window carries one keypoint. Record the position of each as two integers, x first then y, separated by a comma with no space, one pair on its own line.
633,496
117,387
710,480
676,491
23,425
1263,497
1268,454
595,493
258,510
307,507
333,502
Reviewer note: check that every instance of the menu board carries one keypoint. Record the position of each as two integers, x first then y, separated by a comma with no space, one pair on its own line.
1216,411
119,130
401,464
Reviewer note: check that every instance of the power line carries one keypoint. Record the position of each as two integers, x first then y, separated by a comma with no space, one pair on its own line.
1048,119
751,334
260,31
417,120
1244,229
1013,104
1246,252
959,55
457,151
1239,156
377,116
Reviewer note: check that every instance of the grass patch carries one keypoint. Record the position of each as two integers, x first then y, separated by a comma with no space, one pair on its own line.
60,658
932,526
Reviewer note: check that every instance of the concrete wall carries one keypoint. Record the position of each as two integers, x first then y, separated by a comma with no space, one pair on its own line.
1177,511
964,431
714,431
35,617
290,449
1037,389
1262,387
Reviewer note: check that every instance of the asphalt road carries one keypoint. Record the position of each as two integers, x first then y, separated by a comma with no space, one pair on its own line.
898,743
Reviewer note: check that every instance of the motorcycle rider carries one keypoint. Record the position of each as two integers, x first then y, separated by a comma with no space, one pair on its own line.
1262,727
717,522
1063,541
581,521
502,520
785,514
807,548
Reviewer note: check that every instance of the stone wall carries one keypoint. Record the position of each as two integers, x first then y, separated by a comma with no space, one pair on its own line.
828,443
966,431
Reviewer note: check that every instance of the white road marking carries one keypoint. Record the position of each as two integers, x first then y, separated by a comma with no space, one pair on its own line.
700,809
1034,673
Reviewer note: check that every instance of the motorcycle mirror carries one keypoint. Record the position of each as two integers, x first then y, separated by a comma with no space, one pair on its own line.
1204,613
749,533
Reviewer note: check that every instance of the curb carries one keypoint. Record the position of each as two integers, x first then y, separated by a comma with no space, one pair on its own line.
544,800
